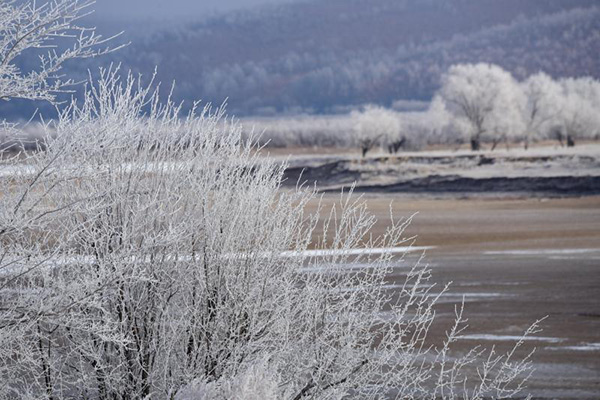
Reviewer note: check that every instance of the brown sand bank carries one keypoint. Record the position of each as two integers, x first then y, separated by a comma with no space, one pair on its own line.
475,225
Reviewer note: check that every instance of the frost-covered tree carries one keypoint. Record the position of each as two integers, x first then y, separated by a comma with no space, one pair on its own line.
487,98
144,255
565,109
544,102
432,126
303,130
52,30
377,125
579,109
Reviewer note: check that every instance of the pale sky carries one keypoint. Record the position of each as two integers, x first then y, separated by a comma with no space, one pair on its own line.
171,9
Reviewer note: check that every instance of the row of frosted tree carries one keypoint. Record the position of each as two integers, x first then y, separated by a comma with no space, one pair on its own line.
479,104
487,104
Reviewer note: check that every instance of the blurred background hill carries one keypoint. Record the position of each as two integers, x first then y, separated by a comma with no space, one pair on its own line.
318,57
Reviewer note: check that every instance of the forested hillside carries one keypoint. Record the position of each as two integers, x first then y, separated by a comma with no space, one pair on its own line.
316,56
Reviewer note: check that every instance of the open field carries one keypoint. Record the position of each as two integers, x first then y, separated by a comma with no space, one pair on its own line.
515,261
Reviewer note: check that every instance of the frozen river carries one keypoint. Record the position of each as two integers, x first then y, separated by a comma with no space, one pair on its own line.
505,292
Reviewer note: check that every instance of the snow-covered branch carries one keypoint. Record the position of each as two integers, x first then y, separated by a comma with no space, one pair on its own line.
52,31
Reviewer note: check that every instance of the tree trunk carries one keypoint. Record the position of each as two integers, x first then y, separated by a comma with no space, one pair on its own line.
494,144
559,137
396,145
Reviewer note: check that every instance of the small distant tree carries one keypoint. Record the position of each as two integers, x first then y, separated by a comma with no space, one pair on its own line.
377,125
543,103
487,98
436,124
579,109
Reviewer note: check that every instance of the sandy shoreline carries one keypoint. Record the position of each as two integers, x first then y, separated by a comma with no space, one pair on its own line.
477,225
515,261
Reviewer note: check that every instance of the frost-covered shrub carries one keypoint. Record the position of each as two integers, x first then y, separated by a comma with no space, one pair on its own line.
256,383
53,26
302,131
145,255
29,136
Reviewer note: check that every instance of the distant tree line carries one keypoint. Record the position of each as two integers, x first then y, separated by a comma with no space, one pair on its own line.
476,103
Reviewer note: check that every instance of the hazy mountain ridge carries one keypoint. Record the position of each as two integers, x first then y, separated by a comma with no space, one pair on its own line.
314,56
342,25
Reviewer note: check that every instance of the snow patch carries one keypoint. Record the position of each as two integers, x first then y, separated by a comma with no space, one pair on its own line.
510,338
580,347
357,252
533,252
